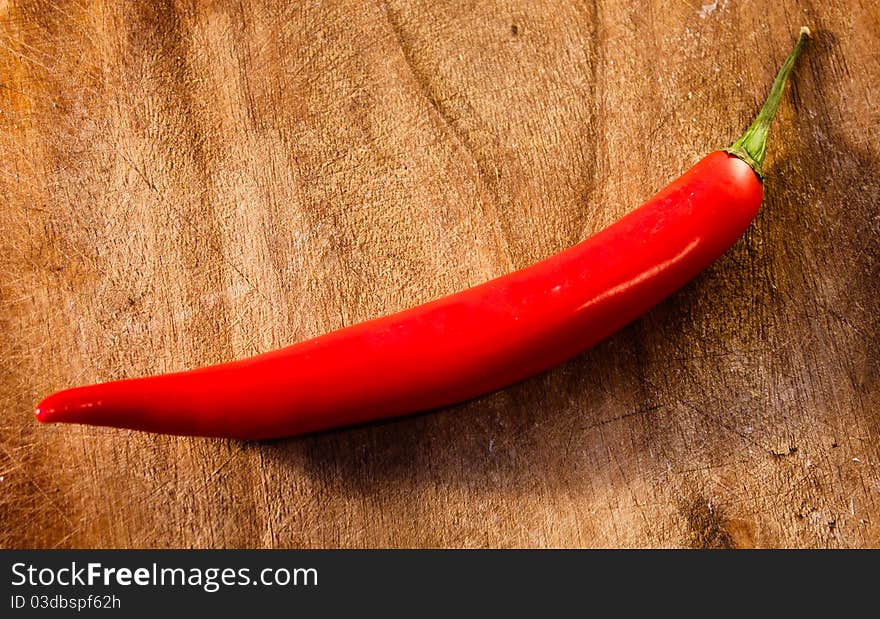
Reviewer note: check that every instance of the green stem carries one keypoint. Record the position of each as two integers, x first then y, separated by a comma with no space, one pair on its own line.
752,146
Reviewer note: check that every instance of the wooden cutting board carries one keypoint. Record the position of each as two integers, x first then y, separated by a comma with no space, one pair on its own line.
183,183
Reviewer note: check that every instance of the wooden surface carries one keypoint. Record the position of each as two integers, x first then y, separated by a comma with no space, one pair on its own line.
183,183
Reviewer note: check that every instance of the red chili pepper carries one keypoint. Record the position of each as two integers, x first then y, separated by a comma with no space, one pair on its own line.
465,344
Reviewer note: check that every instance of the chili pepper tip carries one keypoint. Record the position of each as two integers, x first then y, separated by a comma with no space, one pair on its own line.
41,414
45,413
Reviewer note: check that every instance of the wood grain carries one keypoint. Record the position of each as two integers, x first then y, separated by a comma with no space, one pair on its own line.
185,183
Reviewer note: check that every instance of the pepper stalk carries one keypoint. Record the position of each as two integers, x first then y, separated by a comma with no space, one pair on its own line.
751,147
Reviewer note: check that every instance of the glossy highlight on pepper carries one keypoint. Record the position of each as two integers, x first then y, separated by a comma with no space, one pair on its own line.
466,344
